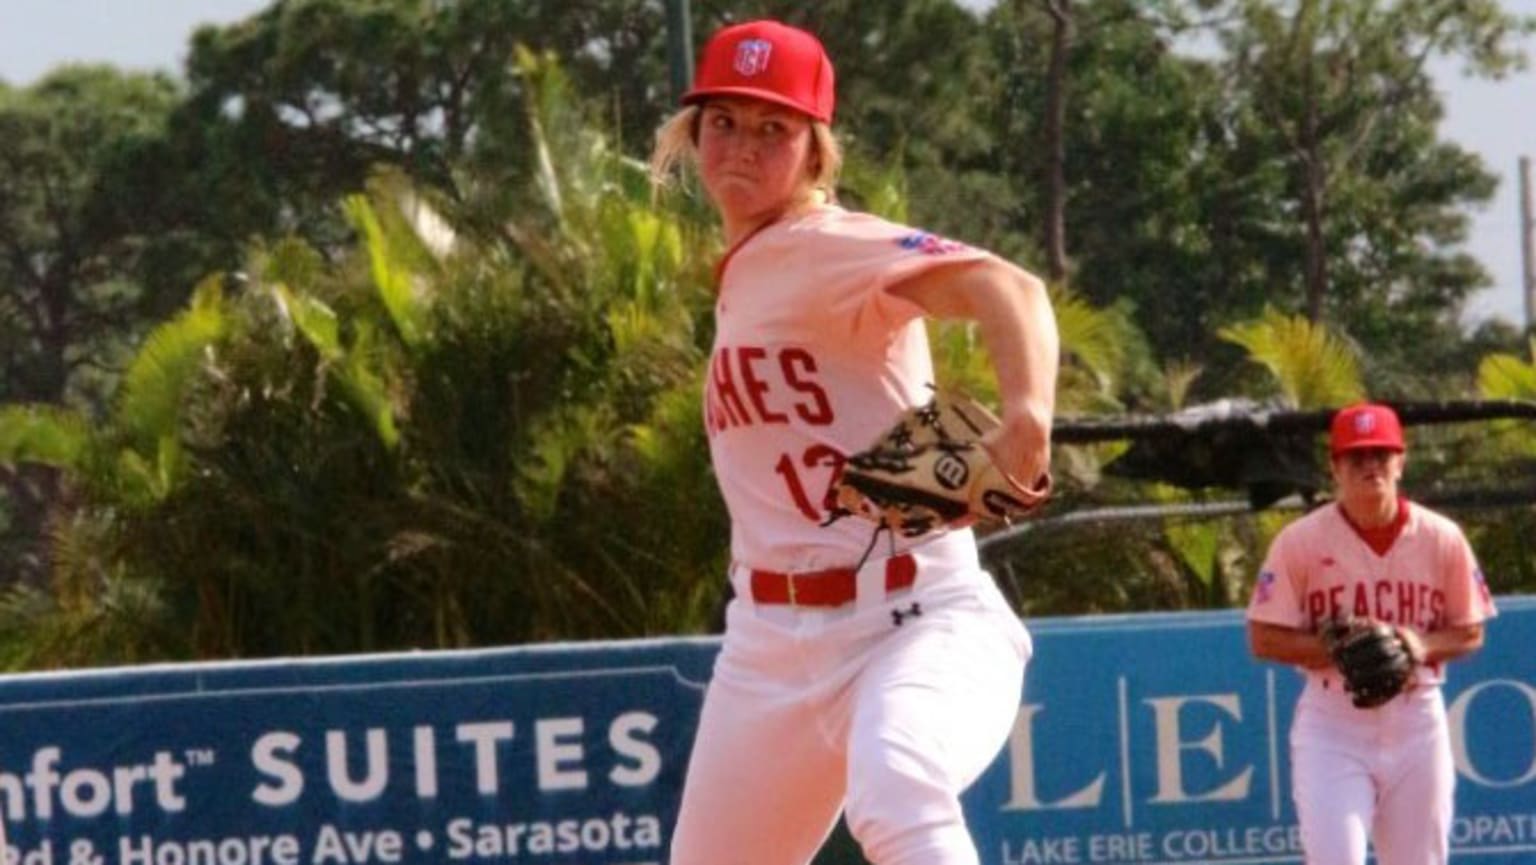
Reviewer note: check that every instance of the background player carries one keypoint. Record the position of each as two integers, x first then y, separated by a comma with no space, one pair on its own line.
1383,773
885,678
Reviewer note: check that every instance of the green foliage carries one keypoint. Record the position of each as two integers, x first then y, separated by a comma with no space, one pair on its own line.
1505,376
878,188
92,613
1335,95
1311,367
42,434
427,442
154,387
1178,377
462,407
1142,140
392,276
82,276
70,288
1099,347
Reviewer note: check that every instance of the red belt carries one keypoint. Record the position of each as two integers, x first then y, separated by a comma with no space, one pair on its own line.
830,588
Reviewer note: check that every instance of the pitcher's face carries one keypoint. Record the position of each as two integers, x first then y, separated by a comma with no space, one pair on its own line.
755,157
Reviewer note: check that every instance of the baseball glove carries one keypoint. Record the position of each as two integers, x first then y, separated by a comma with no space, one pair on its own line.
1374,659
931,471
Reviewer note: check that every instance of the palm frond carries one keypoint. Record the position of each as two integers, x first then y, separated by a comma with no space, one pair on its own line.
1311,367
881,189
312,318
156,383
363,382
556,442
43,434
1094,337
388,242
1178,378
1506,376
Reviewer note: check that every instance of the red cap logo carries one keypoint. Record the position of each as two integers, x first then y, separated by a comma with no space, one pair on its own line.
767,60
1365,425
752,57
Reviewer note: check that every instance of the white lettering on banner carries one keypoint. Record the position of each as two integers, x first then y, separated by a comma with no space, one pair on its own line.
1174,736
485,736
1040,851
375,776
266,757
1121,848
1203,844
559,761
1170,748
89,792
1489,829
552,752
250,850
343,847
647,757
469,839
1457,716
1172,751
1024,793
1250,844
1021,771
41,855
424,749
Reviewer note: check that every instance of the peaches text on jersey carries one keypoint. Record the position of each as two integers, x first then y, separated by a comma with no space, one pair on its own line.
1399,602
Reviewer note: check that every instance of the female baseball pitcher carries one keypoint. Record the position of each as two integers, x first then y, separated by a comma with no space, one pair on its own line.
1369,761
877,678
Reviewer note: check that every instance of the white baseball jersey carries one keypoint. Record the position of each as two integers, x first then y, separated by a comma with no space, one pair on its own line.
1321,567
813,359
887,704
1384,774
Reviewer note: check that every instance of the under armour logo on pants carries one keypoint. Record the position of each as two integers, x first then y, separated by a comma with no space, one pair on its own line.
899,616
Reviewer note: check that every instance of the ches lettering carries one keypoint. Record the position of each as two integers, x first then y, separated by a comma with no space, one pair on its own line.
751,385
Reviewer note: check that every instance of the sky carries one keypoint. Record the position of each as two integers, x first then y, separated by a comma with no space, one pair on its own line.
1495,119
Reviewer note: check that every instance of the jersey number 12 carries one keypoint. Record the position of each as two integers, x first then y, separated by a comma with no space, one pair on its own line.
814,456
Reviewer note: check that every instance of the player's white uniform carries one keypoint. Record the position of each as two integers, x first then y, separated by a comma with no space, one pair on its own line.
1383,773
886,691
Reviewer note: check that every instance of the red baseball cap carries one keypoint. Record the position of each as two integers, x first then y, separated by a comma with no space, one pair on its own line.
1365,425
766,60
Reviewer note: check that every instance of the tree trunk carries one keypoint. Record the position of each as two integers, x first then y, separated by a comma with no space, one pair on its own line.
30,492
1054,189
1314,180
1313,202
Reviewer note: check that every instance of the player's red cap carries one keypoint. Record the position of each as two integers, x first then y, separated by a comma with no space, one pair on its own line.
766,60
1365,425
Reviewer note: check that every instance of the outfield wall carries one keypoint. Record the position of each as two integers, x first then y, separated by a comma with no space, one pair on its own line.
1148,739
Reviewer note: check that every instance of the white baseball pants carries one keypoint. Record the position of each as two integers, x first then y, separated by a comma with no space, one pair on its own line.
1383,774
878,707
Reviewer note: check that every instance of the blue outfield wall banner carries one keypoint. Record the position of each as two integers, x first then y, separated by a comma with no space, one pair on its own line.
1158,739
1147,739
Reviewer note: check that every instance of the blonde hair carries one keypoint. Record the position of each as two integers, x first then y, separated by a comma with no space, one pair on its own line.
677,145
